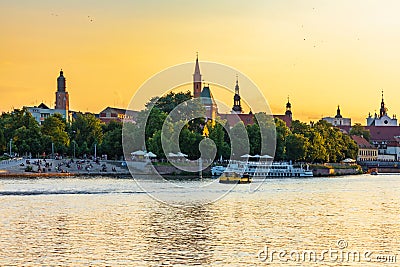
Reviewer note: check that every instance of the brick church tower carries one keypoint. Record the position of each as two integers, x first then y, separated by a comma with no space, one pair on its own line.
62,97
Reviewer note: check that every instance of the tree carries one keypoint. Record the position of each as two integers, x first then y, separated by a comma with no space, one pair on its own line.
3,143
253,131
240,144
217,133
55,127
112,140
86,131
296,147
316,151
282,131
359,130
20,126
168,102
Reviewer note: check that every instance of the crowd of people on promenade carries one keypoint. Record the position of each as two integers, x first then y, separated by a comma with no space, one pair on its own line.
65,166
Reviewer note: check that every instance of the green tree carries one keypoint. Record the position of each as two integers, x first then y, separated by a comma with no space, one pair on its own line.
253,131
20,126
282,131
3,143
359,130
55,127
155,146
217,134
316,151
296,147
86,131
168,102
240,144
112,140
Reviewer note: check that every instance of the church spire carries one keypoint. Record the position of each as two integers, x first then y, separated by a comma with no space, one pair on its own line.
237,86
338,115
237,107
383,110
197,78
288,108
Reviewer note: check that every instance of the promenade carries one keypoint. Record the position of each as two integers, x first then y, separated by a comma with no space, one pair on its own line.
60,168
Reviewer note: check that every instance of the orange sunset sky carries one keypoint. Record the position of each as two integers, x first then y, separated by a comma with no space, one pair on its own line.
320,53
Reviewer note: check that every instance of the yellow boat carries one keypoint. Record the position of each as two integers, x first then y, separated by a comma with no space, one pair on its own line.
234,178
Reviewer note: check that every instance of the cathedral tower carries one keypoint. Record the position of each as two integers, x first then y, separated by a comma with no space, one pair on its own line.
62,97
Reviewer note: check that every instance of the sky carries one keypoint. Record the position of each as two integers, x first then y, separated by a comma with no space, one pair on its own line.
319,53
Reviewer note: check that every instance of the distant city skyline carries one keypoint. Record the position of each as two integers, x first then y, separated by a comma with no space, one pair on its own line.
320,53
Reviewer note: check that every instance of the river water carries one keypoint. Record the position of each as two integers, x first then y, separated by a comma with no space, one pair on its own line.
343,221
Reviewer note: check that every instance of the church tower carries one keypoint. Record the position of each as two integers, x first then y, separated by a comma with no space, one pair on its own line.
62,97
288,109
383,110
237,107
197,79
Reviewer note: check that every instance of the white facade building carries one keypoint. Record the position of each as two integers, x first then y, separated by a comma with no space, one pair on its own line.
338,120
383,119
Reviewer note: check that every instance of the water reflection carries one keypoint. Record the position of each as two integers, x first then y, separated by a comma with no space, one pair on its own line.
179,235
116,228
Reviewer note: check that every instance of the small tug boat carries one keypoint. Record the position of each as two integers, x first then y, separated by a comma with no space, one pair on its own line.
235,178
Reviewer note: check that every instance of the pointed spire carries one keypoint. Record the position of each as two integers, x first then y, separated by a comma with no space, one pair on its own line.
237,85
197,78
288,105
197,67
383,110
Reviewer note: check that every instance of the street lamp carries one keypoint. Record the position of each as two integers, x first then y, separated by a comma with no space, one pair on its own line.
74,132
95,151
74,148
10,145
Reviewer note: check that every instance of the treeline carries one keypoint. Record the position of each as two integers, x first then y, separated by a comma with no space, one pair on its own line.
29,138
318,142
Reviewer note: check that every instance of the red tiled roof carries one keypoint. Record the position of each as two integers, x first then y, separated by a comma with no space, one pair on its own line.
383,133
232,119
378,133
361,142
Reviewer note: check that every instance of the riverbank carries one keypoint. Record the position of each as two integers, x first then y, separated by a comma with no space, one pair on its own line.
52,168
335,169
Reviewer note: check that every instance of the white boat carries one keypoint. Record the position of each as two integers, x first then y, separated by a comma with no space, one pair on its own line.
268,169
217,170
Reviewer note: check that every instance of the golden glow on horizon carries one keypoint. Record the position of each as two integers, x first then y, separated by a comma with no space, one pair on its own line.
320,53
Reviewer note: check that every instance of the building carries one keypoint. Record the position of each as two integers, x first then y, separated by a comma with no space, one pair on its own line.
366,151
385,138
338,120
383,119
42,111
117,114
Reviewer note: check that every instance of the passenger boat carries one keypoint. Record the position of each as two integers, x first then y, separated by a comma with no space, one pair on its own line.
268,169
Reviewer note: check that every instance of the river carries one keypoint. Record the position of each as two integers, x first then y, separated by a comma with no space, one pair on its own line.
341,221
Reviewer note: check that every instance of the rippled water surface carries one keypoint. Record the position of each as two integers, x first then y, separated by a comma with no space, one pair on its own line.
111,222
